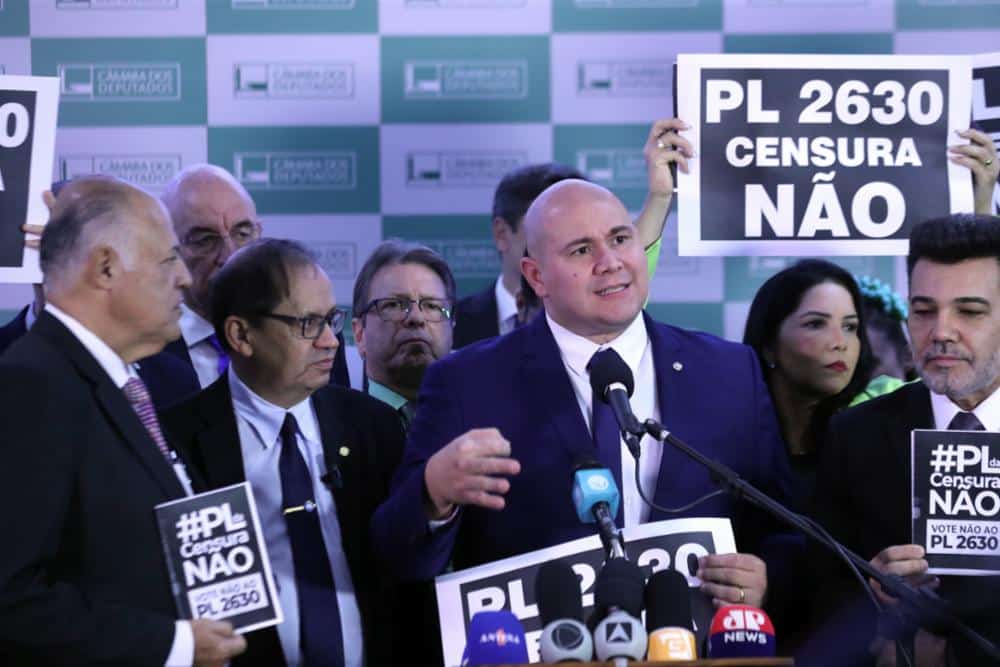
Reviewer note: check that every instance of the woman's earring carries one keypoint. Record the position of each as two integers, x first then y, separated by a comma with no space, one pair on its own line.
772,365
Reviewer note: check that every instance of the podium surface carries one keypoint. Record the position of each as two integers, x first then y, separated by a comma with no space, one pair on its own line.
720,662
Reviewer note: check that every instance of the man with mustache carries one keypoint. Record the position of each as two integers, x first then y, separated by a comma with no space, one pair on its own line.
403,319
863,486
319,457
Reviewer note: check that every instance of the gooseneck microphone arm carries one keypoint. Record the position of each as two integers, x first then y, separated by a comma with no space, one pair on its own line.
929,609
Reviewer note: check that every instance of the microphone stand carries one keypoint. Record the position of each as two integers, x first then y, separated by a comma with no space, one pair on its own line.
929,609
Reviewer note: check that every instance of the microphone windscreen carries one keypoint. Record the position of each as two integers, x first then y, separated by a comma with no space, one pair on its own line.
557,592
668,601
592,485
741,631
620,635
494,638
606,368
620,585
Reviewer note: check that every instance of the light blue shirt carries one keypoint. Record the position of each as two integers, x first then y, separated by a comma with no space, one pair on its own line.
259,423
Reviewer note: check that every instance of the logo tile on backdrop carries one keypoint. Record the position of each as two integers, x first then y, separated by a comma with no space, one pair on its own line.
136,155
302,169
454,169
257,80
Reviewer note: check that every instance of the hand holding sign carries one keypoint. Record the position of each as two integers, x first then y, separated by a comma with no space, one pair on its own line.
903,560
980,156
215,642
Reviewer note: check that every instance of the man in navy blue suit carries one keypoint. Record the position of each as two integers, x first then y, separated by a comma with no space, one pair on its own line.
501,424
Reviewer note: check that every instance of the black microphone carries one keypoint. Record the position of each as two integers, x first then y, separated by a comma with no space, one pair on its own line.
668,618
611,380
618,604
564,636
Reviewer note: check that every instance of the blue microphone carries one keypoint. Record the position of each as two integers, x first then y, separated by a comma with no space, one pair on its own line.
596,499
495,638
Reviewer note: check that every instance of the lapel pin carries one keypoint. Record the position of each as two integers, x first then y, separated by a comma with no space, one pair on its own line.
344,451
678,366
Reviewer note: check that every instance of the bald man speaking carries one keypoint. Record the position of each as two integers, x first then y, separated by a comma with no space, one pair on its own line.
500,425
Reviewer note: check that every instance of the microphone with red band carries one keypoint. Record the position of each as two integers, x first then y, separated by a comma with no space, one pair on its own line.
741,631
668,618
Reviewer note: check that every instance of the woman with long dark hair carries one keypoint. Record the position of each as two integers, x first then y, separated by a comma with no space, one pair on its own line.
805,324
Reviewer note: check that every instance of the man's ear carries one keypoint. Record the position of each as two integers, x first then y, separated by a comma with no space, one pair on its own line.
103,267
358,327
239,336
533,274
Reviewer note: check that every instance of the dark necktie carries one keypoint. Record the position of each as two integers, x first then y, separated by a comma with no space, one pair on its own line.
138,396
607,437
223,361
321,641
965,421
407,411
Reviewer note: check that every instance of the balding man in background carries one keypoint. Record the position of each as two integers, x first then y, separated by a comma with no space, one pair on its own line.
83,579
213,216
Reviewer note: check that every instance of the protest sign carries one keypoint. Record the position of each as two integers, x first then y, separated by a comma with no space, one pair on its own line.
217,559
510,583
818,155
28,108
956,500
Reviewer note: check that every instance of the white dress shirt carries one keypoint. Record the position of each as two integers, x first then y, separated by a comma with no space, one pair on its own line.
259,423
195,331
988,411
506,307
634,348
182,649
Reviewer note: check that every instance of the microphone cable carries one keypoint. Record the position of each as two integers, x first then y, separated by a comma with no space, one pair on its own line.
819,528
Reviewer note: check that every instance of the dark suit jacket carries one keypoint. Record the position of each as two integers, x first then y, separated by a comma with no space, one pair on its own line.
14,329
82,573
167,378
476,318
178,349
205,429
863,499
717,402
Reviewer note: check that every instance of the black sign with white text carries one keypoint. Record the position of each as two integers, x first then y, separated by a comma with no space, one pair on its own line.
217,559
956,500
17,114
835,155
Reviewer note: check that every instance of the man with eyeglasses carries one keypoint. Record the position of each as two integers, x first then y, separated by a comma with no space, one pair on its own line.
403,299
213,216
319,457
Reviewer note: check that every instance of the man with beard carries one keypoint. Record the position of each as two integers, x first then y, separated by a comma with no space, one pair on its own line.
403,300
863,485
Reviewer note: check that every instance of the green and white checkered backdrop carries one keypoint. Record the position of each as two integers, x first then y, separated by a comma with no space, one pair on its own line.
350,121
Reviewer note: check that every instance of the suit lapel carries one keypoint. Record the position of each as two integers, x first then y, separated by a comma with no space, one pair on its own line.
544,378
916,414
179,349
113,403
219,440
336,438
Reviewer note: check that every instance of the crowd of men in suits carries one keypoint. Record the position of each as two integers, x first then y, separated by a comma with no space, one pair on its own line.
176,350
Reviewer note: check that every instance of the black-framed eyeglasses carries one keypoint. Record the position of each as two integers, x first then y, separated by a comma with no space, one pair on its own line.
396,308
311,326
204,242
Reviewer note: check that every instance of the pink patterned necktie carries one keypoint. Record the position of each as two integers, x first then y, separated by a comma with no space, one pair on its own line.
137,394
